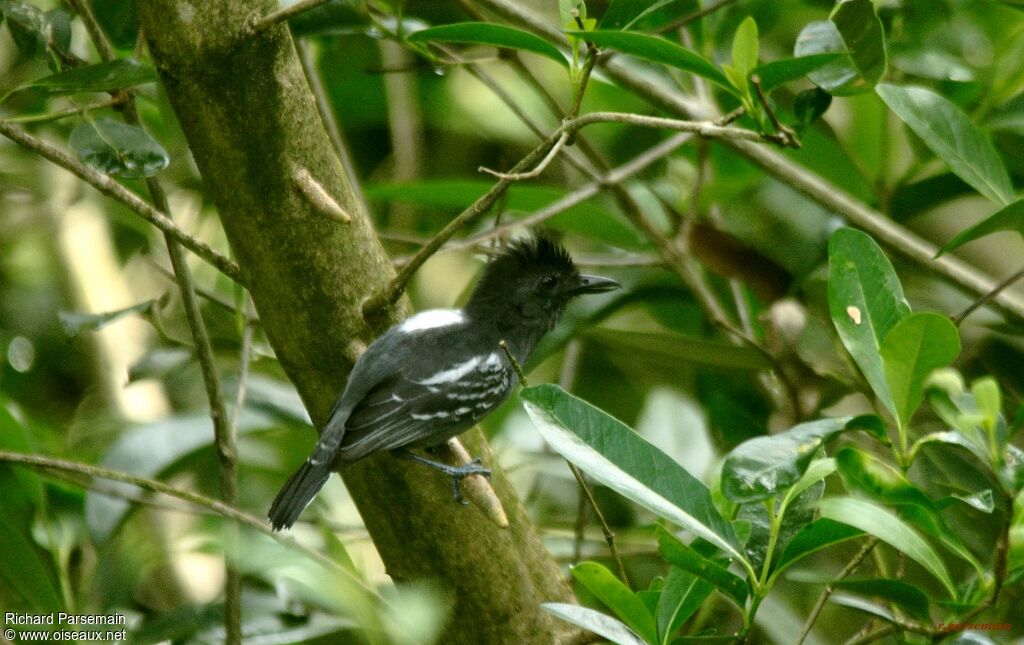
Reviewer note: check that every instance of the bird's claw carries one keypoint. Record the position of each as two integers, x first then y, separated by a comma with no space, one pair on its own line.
474,467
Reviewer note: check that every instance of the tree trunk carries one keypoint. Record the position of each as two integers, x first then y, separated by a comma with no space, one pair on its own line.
252,124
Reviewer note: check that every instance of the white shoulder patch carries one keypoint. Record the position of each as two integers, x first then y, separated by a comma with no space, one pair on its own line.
431,319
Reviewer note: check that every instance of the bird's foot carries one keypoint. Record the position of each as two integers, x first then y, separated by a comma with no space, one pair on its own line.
457,473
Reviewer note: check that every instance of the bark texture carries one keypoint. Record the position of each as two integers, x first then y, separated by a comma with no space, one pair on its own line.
251,124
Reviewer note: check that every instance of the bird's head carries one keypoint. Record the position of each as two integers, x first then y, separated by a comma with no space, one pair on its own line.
530,283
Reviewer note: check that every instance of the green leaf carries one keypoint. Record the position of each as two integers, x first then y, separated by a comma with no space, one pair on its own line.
102,77
613,454
625,14
673,350
484,33
883,524
35,31
117,148
1008,218
866,301
953,137
683,556
681,596
594,621
745,46
74,323
855,32
867,473
909,597
762,467
24,569
659,50
617,596
918,345
809,105
817,535
778,72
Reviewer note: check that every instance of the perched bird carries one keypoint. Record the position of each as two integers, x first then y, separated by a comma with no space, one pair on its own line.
439,372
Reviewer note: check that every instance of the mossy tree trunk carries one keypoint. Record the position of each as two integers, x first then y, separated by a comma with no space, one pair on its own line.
252,124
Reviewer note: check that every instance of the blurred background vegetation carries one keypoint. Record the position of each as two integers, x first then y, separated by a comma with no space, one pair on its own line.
98,364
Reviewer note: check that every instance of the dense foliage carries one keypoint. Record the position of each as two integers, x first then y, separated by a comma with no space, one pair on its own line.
804,401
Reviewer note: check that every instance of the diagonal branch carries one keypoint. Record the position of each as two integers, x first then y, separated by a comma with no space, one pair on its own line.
108,186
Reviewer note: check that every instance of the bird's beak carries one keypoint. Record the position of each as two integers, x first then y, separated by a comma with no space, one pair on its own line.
594,284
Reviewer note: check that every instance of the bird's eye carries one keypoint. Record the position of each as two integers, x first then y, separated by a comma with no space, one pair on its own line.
548,281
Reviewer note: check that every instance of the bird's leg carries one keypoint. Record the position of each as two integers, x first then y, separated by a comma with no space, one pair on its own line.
457,473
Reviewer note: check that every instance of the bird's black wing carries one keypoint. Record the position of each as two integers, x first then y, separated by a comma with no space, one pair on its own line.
412,412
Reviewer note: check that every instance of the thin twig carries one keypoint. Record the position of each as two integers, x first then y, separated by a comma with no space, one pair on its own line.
220,508
609,535
871,637
76,110
693,17
827,591
111,188
959,318
538,169
282,14
390,293
782,130
707,129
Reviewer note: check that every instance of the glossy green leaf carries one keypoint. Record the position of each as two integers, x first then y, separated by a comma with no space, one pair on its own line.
865,301
1008,218
855,32
613,454
617,596
681,596
659,50
914,348
886,526
101,77
485,33
745,46
683,556
765,466
116,148
817,535
953,137
810,105
34,31
594,621
778,72
74,323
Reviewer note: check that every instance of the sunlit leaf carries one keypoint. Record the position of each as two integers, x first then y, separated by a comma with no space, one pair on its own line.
601,624
613,454
886,526
745,46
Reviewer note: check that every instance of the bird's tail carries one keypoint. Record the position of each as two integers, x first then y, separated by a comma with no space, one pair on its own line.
297,493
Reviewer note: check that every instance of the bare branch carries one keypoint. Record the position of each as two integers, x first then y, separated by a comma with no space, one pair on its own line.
959,318
281,15
530,174
827,591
